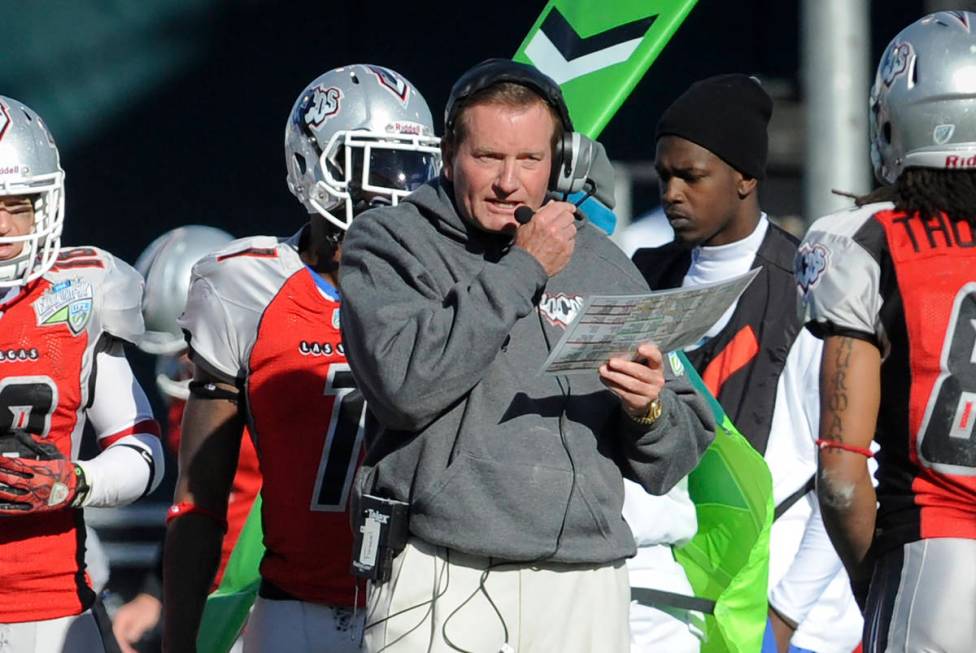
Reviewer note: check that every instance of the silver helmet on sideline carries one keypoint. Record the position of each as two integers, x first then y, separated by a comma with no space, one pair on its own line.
923,101
165,265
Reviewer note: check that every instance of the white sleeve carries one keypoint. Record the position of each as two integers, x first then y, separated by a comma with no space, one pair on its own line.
667,519
131,464
791,453
839,280
213,338
815,563
813,568
121,296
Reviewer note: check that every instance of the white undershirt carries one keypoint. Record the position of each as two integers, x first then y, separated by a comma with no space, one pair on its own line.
722,262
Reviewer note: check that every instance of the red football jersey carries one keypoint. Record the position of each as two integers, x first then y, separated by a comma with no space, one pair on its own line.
908,285
934,262
257,317
50,334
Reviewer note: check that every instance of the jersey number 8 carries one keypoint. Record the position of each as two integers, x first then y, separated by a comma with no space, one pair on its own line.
946,438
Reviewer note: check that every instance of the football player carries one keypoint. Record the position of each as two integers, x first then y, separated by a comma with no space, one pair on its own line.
262,319
165,265
64,314
890,287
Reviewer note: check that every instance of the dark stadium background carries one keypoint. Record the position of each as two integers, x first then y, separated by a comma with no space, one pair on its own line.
171,113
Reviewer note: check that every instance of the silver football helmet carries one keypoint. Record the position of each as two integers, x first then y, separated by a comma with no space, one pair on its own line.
166,265
358,136
923,101
30,165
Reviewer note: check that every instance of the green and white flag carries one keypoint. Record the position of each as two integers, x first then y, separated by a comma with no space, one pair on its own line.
597,50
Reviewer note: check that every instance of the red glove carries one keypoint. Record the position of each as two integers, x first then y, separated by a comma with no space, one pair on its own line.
30,486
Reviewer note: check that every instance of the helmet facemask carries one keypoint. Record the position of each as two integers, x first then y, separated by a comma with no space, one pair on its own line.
363,169
42,244
30,166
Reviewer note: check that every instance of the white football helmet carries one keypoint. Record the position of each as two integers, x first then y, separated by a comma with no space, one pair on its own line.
358,136
923,101
30,165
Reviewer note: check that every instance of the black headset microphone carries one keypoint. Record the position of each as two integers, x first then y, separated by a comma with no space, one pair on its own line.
523,214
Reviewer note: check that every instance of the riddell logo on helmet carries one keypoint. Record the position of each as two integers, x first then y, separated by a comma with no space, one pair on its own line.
9,170
402,127
955,162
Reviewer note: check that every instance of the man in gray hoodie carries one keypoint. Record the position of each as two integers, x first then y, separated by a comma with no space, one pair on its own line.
513,477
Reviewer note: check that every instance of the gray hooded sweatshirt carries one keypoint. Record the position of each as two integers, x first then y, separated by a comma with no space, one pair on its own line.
446,328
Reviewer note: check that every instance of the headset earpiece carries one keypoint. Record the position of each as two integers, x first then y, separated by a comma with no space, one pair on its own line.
571,164
562,163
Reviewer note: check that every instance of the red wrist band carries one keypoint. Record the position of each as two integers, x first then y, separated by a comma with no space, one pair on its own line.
188,508
837,444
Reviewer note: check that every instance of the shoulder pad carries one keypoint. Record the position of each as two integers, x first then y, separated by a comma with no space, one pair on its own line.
249,271
115,286
252,247
846,223
838,279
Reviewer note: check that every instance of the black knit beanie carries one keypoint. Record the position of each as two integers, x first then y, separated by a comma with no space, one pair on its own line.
727,115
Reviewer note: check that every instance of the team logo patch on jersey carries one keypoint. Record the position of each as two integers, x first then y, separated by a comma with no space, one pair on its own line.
335,318
811,262
560,309
69,302
392,83
322,105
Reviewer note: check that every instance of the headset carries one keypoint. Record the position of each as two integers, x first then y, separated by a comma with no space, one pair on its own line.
573,153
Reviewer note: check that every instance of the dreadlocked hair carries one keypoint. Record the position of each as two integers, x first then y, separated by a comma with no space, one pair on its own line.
929,192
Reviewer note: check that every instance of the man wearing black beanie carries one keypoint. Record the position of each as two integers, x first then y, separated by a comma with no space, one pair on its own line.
711,147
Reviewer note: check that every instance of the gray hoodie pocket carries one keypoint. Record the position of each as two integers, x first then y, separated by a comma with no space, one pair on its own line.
511,511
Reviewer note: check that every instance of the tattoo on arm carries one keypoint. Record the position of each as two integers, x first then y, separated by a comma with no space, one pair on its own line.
834,491
837,399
